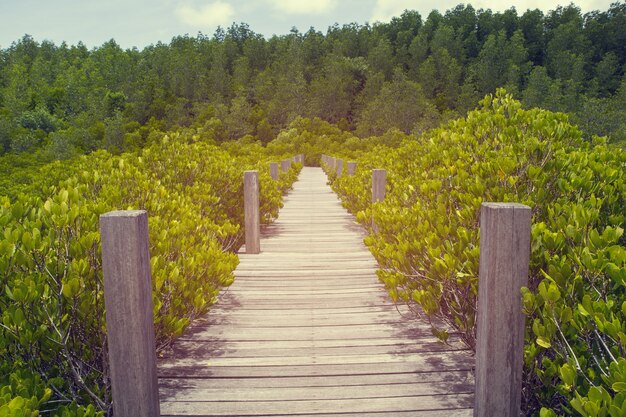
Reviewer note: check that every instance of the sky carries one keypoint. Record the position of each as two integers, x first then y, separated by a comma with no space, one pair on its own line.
139,23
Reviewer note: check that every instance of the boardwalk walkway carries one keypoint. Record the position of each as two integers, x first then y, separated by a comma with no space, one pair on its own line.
308,330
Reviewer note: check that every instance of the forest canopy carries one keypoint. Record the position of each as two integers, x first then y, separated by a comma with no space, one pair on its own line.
410,73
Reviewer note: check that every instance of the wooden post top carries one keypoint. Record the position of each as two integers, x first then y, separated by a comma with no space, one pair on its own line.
124,213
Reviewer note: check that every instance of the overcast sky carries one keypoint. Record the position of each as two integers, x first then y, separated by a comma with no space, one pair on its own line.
143,22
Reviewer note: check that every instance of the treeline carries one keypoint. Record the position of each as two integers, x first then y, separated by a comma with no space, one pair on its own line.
410,73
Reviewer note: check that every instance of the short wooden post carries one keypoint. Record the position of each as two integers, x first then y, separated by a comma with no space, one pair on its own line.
129,313
339,169
284,165
351,168
251,211
379,180
503,270
274,170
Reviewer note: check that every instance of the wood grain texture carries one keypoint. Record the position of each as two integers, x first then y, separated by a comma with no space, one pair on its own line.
251,211
129,313
307,329
503,271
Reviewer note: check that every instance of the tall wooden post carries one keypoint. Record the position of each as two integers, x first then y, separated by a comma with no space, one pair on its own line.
274,170
351,168
503,270
129,313
379,180
284,165
339,169
251,211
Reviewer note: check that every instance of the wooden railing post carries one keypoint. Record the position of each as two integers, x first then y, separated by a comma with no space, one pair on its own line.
274,170
129,313
339,169
379,180
503,270
251,211
284,165
351,168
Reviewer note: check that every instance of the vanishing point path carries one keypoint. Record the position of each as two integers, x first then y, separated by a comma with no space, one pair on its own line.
308,330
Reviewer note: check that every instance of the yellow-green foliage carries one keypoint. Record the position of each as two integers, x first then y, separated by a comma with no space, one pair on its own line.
427,242
51,299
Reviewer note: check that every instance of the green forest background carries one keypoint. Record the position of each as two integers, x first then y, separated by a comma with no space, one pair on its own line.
411,73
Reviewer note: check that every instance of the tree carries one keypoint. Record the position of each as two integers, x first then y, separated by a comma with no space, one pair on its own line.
381,59
538,88
400,104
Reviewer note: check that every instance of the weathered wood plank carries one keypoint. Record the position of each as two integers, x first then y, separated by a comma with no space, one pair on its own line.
197,390
372,405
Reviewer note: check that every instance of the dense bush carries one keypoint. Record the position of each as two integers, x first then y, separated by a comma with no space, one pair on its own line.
427,241
53,333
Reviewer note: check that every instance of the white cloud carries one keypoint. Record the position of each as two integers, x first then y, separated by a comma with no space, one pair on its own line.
384,10
303,6
211,15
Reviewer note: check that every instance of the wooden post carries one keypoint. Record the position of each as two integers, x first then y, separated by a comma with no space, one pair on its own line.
351,168
251,211
284,165
339,170
503,270
129,313
274,170
379,179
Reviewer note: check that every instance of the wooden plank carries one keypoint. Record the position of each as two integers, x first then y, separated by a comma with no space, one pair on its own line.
465,412
215,348
437,378
197,390
372,405
404,362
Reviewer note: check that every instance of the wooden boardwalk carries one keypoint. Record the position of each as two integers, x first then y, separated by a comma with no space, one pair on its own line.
307,329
